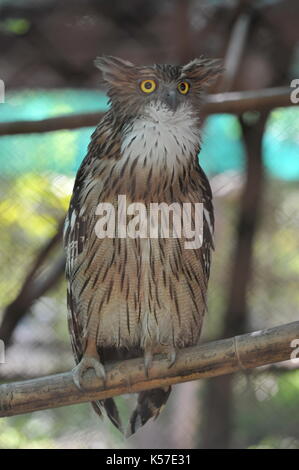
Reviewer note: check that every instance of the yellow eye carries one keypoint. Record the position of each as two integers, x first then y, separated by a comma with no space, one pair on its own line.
183,88
148,86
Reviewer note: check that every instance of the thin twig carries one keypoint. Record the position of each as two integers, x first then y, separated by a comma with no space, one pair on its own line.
34,286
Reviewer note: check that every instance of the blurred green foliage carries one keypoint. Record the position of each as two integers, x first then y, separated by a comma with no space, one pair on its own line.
17,26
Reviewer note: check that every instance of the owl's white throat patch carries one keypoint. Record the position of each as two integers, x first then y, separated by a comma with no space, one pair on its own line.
162,136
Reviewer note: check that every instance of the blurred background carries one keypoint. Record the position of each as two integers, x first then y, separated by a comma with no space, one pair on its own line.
47,48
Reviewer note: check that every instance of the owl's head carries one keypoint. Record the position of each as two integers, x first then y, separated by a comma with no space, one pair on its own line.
132,88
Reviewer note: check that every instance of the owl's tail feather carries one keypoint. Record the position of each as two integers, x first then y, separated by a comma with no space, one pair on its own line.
111,411
149,405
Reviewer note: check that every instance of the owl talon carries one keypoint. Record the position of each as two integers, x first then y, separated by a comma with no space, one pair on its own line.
171,357
85,364
148,361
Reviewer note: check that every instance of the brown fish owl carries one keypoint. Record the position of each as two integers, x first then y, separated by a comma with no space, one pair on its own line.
129,296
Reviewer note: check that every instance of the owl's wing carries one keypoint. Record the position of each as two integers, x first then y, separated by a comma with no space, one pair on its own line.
77,227
208,222
75,239
76,235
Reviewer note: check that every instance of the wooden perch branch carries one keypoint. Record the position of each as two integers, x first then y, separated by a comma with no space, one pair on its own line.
203,361
238,102
233,102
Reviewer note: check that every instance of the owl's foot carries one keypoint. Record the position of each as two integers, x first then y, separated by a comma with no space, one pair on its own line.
88,362
171,357
148,361
149,352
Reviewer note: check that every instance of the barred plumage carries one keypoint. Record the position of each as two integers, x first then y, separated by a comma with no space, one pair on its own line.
133,296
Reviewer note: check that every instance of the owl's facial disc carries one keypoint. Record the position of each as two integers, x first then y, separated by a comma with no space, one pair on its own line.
172,94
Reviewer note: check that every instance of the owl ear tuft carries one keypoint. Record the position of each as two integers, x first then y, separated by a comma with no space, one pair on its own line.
203,71
113,69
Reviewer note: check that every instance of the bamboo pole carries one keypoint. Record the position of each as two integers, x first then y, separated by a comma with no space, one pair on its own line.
233,102
206,360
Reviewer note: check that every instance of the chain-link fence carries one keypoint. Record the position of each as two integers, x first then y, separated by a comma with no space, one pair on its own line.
254,279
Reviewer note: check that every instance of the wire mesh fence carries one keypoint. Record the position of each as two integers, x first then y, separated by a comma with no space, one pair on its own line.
250,409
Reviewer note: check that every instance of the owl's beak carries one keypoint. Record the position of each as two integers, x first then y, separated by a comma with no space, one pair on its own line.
170,98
